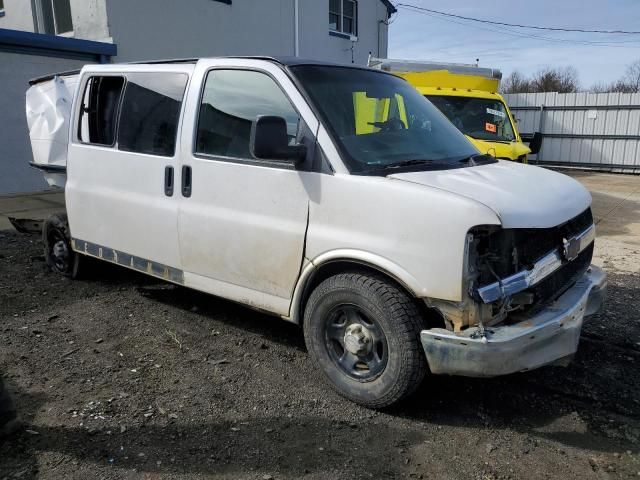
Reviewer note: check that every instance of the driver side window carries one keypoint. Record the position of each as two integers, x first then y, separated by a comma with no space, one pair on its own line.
231,101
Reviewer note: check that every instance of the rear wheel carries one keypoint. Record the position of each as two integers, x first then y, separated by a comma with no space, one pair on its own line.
363,332
58,253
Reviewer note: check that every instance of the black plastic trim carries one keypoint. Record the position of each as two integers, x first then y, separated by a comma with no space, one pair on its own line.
187,180
169,180
49,168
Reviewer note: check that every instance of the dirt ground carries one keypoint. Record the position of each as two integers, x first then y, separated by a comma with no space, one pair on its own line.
123,376
126,377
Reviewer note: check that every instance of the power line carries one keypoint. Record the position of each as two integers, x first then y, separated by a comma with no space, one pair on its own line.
535,27
505,31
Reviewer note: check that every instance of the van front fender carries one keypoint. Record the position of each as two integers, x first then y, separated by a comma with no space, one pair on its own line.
347,256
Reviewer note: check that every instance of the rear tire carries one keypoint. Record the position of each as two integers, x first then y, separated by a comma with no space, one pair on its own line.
58,253
363,332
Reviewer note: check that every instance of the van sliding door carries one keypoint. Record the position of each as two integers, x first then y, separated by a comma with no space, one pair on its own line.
122,164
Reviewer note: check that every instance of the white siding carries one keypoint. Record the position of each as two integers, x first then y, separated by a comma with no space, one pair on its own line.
17,16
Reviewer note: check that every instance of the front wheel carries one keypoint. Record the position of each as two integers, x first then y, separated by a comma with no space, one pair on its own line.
364,334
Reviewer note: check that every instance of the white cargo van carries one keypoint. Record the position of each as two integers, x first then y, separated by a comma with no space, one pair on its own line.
397,246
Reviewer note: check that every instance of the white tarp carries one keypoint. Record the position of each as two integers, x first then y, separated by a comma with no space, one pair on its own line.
48,113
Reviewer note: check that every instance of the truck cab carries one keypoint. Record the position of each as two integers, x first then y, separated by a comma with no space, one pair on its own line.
468,96
396,245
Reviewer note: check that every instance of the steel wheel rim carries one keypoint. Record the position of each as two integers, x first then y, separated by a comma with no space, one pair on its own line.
59,252
342,337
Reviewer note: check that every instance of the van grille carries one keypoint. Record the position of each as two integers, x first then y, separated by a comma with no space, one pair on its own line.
562,279
503,252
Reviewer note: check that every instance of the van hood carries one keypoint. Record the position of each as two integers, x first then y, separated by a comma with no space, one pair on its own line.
522,196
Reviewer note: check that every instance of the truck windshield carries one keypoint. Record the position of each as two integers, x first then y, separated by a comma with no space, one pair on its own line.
480,118
381,123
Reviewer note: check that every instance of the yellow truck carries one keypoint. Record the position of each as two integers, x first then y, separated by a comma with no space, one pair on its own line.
468,96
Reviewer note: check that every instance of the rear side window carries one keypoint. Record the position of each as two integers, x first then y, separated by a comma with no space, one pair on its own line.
151,112
99,110
231,101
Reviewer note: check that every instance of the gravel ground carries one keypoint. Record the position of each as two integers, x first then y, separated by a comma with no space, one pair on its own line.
122,376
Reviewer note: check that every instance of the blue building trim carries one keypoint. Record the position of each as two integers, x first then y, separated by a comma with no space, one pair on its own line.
51,45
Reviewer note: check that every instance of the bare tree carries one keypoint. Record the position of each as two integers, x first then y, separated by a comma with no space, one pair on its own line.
516,82
629,83
561,80
632,77
600,87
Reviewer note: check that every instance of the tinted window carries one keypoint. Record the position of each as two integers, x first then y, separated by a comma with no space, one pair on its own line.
150,113
99,110
231,102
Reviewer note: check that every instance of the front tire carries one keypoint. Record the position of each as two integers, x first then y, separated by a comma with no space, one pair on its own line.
58,253
363,332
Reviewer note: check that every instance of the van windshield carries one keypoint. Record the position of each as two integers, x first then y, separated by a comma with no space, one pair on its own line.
381,123
480,118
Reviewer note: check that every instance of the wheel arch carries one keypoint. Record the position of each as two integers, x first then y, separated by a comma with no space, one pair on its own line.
333,263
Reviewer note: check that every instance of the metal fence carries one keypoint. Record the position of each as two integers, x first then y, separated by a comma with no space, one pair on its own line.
592,130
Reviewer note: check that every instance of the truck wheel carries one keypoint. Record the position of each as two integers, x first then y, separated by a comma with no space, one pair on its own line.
364,334
58,253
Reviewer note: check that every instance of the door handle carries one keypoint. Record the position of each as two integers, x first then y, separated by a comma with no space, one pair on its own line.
168,181
186,181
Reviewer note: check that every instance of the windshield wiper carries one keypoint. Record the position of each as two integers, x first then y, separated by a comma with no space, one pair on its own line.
408,163
477,159
492,140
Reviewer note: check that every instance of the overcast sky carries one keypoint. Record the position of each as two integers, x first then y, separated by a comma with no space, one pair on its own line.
415,35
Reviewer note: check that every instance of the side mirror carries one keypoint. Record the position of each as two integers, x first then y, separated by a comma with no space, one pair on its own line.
269,140
536,143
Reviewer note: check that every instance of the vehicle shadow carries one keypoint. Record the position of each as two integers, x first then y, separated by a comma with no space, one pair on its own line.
200,304
230,313
265,446
15,459
286,447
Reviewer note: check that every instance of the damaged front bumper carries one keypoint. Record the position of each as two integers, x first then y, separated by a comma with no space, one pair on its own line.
549,336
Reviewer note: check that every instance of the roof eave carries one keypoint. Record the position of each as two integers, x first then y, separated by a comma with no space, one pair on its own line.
390,7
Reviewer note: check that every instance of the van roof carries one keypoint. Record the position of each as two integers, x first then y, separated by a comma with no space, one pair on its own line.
282,60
